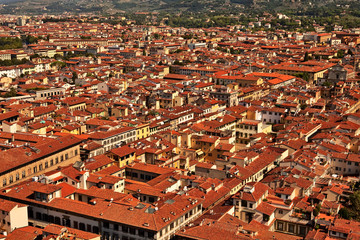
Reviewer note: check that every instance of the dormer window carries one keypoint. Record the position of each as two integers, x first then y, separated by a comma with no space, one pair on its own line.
37,195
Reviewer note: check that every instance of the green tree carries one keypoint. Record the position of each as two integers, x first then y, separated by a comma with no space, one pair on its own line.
10,43
303,106
74,77
156,36
58,64
58,56
317,209
340,53
306,76
12,62
35,56
11,93
326,84
344,213
28,39
306,57
355,201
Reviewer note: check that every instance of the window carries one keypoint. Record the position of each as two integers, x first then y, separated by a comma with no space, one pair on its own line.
66,156
51,219
141,233
243,203
280,226
95,229
76,224
57,220
35,169
46,164
291,228
76,152
106,225
23,174
51,162
56,160
17,176
250,205
116,227
280,211
4,182
82,226
40,167
132,231
302,231
61,158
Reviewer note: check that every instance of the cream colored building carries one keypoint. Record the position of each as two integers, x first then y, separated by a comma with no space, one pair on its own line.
12,215
25,162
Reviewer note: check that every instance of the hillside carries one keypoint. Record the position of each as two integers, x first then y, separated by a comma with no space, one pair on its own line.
118,6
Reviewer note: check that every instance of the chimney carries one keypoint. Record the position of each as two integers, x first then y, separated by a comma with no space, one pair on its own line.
83,180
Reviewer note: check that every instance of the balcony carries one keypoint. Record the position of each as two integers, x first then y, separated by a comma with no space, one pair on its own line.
296,219
262,218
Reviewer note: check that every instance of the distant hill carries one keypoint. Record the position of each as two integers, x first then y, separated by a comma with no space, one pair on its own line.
114,6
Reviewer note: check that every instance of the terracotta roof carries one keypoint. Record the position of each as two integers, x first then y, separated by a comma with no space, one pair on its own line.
15,157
